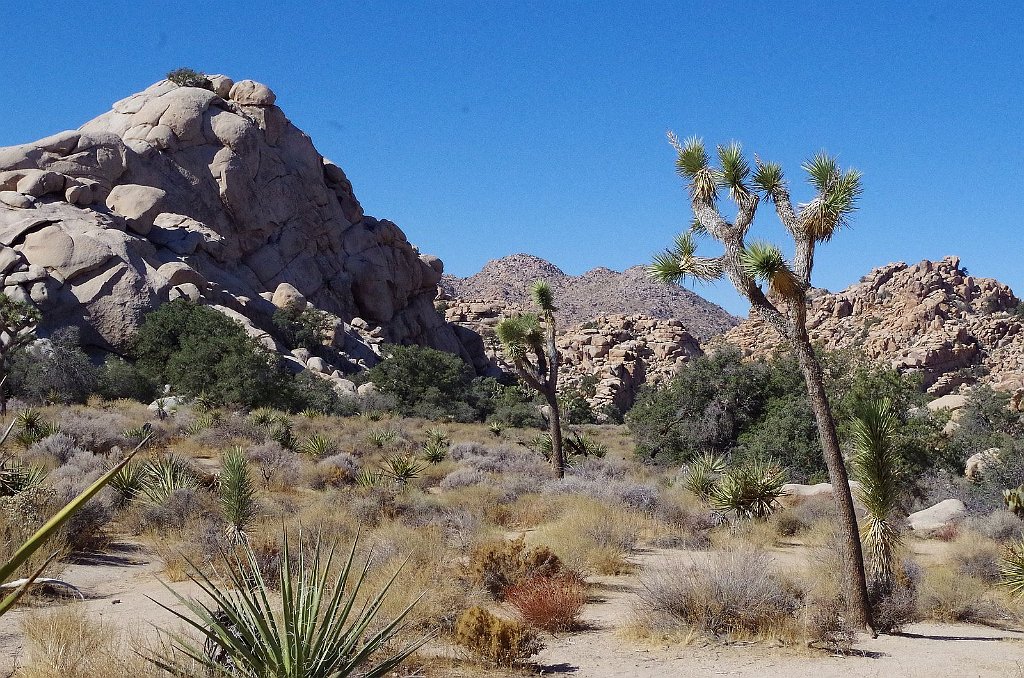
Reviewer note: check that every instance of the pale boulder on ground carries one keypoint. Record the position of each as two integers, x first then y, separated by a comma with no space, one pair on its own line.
937,517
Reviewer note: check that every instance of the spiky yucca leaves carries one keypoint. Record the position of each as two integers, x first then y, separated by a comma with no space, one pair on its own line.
15,477
402,468
164,475
579,444
702,474
237,494
435,448
681,262
836,200
32,427
875,465
318,445
692,164
382,436
437,434
768,178
751,490
543,296
520,333
368,478
1011,568
764,261
735,170
315,630
129,481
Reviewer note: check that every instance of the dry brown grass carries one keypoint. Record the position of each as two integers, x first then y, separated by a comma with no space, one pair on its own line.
594,537
68,643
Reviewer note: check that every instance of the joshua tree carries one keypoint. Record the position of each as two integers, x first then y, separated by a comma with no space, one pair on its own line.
531,333
876,467
17,329
784,306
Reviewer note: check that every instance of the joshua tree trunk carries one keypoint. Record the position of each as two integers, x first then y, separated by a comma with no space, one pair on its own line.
856,582
555,430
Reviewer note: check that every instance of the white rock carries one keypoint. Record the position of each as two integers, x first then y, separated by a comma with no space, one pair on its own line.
252,93
139,205
287,296
943,514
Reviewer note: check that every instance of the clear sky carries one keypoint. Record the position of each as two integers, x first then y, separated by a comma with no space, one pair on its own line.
488,128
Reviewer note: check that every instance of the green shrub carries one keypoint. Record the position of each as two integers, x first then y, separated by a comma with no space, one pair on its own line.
198,350
120,379
426,383
58,373
302,329
186,77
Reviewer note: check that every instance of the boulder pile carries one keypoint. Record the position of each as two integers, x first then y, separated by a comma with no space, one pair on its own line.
215,196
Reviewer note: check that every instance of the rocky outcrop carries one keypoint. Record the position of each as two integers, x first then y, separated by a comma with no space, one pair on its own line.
932,319
618,353
595,293
214,196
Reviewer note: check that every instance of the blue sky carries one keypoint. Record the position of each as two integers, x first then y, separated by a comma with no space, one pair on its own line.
489,128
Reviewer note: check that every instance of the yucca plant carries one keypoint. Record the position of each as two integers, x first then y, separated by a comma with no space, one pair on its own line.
202,422
876,466
312,413
137,433
368,478
579,444
32,427
382,436
317,629
496,428
1011,567
129,480
237,494
203,402
317,445
437,434
703,473
263,417
435,452
15,477
402,468
37,540
750,490
165,475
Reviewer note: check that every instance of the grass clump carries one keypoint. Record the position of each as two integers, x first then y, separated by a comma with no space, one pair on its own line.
499,641
549,602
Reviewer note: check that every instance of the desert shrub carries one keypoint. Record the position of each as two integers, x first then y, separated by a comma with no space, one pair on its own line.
1000,525
59,447
426,382
976,557
499,641
198,350
95,430
186,77
306,391
511,406
177,508
276,466
825,623
593,536
738,593
20,516
336,470
306,328
462,477
497,565
118,378
55,371
895,603
573,402
949,595
552,602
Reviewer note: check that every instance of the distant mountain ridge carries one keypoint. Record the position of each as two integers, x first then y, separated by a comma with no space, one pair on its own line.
598,292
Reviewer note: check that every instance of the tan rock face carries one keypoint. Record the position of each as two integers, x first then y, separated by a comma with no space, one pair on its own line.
931,319
223,196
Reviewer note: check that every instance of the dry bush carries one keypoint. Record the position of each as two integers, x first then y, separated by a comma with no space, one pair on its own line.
52,451
66,643
1000,525
495,566
975,556
594,537
96,430
500,641
278,467
951,596
552,603
337,470
463,477
738,594
825,623
20,516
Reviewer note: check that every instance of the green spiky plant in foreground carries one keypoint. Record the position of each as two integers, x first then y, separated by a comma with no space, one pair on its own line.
237,494
784,306
317,629
875,465
529,342
1011,568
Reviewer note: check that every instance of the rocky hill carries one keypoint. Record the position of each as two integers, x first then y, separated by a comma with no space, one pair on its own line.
210,194
598,292
931,318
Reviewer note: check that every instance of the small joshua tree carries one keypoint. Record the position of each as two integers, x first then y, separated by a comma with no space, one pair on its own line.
529,342
18,323
784,306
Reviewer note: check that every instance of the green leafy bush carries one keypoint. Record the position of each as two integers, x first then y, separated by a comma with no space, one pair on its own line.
118,378
198,350
186,77
426,383
302,329
58,373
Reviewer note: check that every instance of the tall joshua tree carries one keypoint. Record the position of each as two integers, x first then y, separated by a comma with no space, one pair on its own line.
529,342
784,306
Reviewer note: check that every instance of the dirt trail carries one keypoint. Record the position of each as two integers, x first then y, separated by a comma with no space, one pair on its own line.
120,588
926,650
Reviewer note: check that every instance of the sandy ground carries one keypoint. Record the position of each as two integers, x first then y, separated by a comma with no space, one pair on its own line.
121,588
926,650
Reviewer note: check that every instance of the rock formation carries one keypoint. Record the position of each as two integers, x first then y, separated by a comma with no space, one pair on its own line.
598,292
622,353
931,319
214,196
